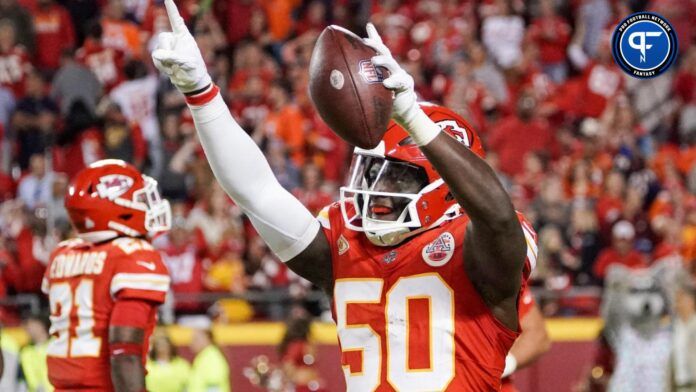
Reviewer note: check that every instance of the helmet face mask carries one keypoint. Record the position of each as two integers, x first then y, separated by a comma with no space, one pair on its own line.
158,214
393,191
382,195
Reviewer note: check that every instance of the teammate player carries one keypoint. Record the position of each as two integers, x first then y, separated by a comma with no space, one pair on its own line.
105,285
532,343
424,294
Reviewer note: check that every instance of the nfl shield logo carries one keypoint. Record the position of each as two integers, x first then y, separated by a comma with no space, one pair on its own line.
369,72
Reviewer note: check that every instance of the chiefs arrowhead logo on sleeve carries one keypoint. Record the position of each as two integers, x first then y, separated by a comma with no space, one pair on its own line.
113,185
440,251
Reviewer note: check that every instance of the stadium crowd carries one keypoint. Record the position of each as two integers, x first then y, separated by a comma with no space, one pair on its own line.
602,164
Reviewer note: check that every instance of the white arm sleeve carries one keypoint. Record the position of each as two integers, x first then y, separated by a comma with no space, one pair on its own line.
243,172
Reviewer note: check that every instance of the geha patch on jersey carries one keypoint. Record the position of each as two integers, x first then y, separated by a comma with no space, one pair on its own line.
439,251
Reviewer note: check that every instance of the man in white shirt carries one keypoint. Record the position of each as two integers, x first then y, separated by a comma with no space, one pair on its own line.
36,187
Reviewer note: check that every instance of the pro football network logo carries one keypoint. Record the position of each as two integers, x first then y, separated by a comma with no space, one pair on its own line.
440,251
644,45
369,72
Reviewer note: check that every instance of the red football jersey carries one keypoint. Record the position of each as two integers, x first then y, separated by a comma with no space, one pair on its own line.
14,67
106,63
83,281
524,306
408,317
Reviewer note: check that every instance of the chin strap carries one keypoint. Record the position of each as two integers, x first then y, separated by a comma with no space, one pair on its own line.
98,236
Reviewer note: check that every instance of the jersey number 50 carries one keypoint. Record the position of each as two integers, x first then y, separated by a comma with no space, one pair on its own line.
356,337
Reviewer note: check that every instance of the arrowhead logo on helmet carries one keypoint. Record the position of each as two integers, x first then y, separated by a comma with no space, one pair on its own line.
114,185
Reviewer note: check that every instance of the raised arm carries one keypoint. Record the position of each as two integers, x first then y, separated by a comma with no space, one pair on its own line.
495,244
240,167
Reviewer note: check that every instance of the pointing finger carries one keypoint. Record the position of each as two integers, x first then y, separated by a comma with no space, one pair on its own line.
165,41
177,22
372,33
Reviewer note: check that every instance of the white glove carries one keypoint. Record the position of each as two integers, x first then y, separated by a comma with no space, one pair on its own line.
177,55
510,365
405,110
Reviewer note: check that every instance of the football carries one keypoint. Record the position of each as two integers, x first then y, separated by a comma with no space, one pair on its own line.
347,89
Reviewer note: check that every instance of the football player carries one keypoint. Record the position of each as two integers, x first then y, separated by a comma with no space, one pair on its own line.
424,255
105,285
532,343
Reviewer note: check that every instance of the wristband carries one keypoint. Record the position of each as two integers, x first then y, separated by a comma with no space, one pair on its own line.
420,127
117,349
510,365
203,97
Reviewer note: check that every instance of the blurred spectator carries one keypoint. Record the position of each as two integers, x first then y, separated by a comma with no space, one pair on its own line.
502,33
520,133
279,17
106,63
122,139
9,351
237,19
310,192
55,208
30,245
7,106
14,60
285,123
35,189
34,120
214,216
621,251
82,12
137,98
74,82
209,370
584,240
179,154
270,275
486,73
54,34
600,79
298,354
551,33
251,106
32,357
22,21
184,252
166,371
556,265
80,140
550,207
118,32
688,236
593,17
283,167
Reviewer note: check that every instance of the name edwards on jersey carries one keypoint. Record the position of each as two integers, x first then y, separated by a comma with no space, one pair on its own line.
77,263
